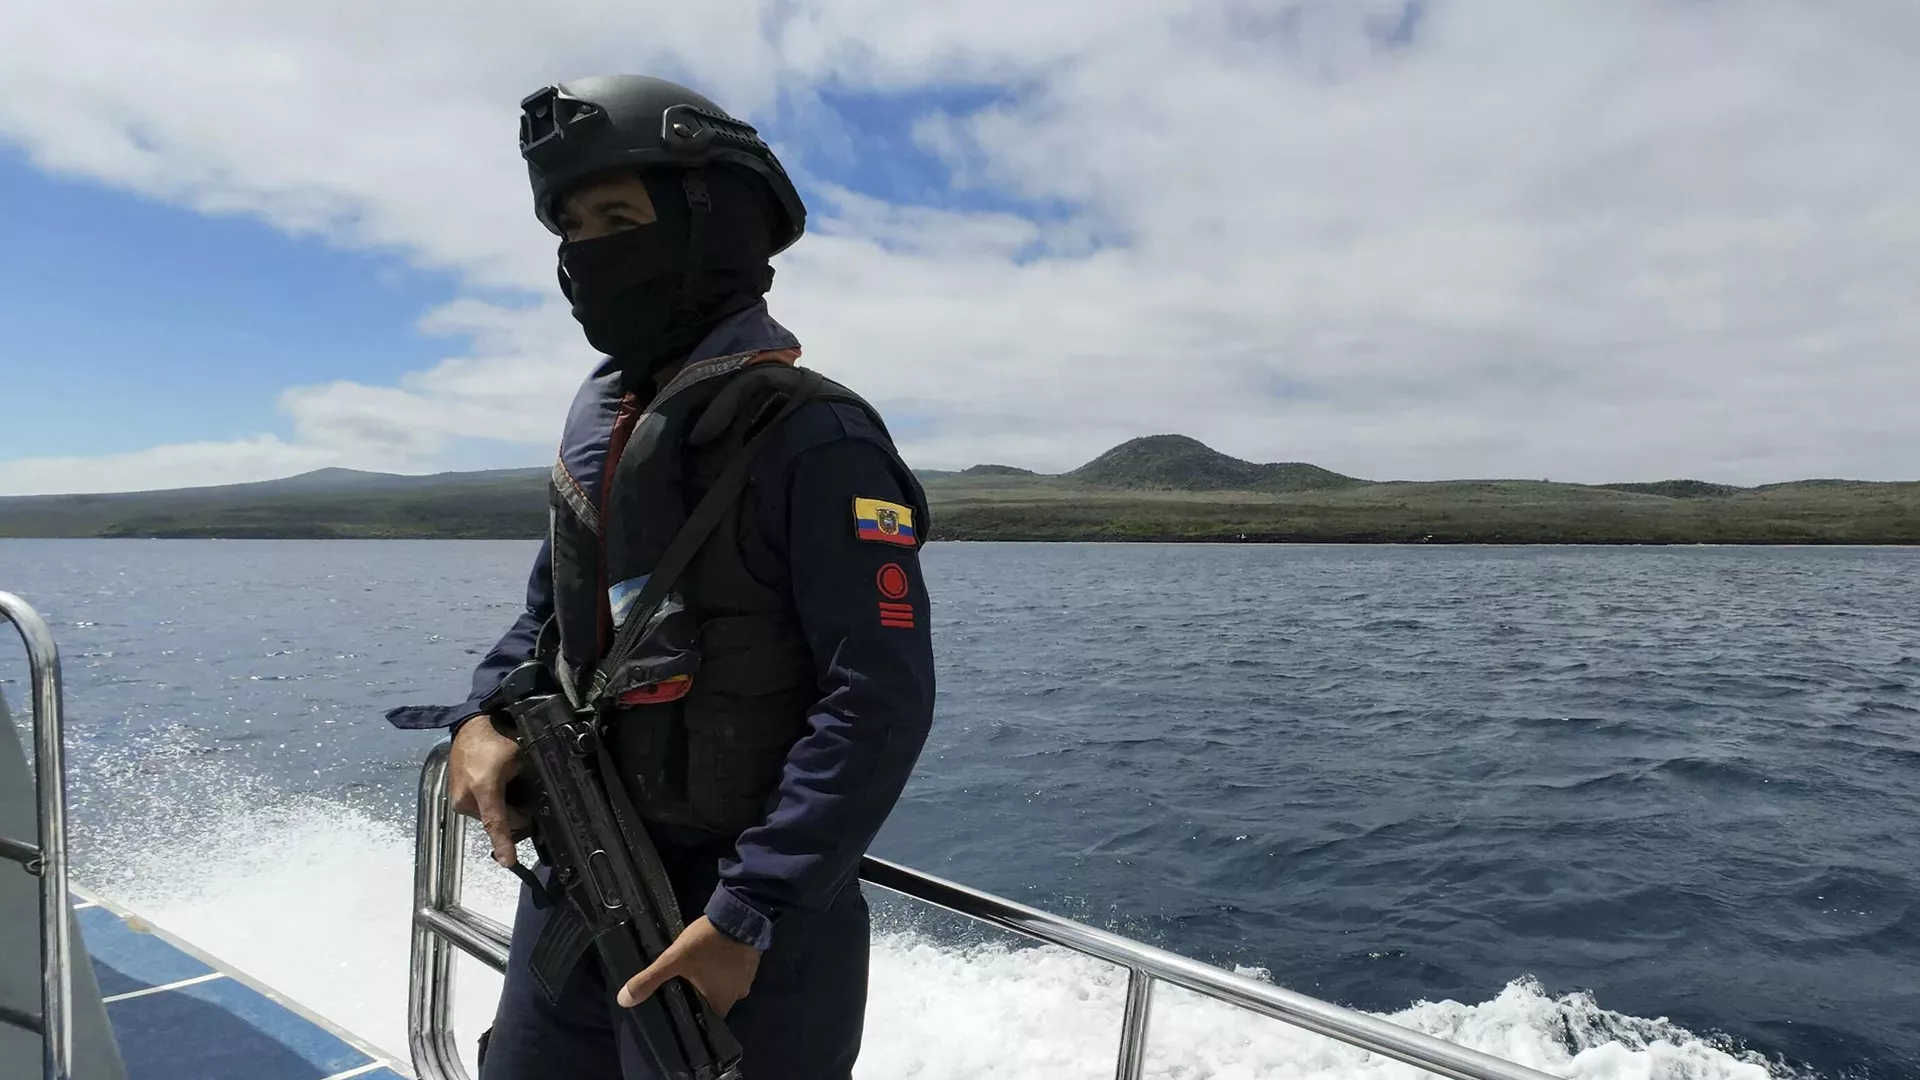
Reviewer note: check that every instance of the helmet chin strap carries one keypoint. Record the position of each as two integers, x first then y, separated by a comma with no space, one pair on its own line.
699,204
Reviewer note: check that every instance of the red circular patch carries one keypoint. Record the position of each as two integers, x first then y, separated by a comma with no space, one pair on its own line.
892,582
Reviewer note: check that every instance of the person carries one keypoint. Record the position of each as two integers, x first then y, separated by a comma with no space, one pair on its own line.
765,769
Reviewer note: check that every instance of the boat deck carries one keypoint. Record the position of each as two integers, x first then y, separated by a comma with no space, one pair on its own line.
180,1015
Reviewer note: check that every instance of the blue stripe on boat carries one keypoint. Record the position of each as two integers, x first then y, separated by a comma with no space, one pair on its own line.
220,1028
125,959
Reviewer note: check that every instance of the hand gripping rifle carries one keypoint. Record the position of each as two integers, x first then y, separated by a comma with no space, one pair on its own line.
608,886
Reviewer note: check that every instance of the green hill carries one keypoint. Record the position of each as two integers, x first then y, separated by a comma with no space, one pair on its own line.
316,505
1179,463
1678,489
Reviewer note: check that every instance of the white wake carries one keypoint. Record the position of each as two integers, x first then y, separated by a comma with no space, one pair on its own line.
312,898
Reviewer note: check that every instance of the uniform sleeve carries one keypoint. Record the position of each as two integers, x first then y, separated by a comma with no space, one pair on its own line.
863,607
513,649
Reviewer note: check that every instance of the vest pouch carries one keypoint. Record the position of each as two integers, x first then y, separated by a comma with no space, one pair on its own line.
663,662
748,708
646,695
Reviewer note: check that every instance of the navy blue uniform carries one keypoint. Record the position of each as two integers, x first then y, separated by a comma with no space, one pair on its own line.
789,884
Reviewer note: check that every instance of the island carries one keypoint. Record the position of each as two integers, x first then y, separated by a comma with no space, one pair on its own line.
1160,488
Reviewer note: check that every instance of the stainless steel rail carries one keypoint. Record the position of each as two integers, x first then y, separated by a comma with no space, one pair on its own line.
440,924
48,859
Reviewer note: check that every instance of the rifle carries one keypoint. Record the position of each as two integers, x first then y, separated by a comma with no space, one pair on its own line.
608,885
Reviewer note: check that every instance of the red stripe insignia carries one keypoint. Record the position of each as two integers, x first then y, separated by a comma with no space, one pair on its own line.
897,616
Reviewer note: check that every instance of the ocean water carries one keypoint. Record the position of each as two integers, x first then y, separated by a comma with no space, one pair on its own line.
1622,813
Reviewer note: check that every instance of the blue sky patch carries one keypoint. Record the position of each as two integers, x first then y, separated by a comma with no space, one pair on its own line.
132,323
865,141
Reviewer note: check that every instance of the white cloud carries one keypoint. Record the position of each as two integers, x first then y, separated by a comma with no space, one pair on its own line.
176,465
1600,240
515,382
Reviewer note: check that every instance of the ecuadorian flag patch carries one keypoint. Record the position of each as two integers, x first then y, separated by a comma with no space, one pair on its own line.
883,522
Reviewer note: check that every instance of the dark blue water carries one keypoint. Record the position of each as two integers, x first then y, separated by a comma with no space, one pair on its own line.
1687,780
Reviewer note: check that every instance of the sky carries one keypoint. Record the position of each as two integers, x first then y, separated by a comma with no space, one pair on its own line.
1583,240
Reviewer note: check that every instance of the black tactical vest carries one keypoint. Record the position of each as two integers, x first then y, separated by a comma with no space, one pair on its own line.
721,691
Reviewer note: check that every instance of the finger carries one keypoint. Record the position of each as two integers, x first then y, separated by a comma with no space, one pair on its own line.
504,850
642,986
462,793
494,818
720,1005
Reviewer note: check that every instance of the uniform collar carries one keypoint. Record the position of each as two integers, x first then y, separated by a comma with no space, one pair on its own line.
749,330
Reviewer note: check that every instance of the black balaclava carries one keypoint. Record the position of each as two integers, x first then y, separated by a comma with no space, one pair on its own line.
632,292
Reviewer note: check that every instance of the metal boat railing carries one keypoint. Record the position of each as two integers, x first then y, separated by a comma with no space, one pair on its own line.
47,858
441,925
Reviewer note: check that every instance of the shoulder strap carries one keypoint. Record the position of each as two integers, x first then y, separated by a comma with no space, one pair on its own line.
700,524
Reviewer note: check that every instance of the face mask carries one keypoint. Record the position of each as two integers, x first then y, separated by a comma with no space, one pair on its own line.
624,288
631,292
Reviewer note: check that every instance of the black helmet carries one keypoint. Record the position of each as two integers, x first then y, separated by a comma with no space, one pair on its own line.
582,127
